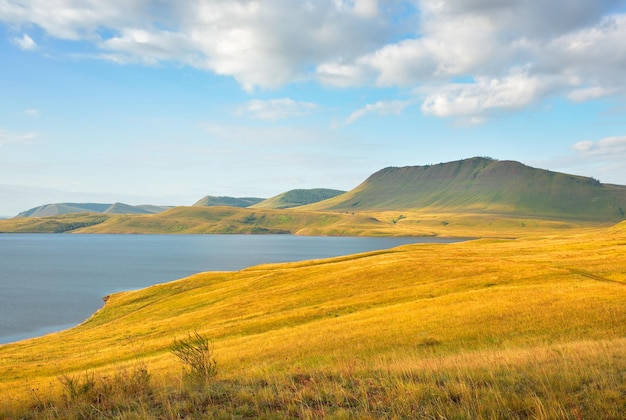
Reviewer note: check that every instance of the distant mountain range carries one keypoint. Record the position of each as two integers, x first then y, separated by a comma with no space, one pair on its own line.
484,185
476,185
115,208
285,200
292,198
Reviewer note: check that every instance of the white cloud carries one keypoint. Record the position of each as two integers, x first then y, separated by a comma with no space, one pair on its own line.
366,8
380,107
31,112
602,159
7,137
25,42
277,109
73,19
149,47
260,43
592,58
342,75
575,46
572,48
590,93
478,99
613,147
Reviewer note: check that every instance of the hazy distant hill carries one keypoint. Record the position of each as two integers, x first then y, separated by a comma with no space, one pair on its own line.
209,201
66,208
296,198
504,189
483,184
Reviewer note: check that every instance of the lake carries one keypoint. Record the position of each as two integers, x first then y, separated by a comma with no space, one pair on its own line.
50,282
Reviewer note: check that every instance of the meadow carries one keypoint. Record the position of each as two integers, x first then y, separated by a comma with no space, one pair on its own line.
527,322
300,221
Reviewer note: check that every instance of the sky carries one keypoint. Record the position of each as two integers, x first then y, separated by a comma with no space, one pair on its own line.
165,101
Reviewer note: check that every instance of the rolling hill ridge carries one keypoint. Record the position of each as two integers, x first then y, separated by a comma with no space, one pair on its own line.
297,198
470,194
67,208
209,201
484,185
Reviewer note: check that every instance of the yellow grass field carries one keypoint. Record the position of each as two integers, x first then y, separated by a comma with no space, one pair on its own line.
528,327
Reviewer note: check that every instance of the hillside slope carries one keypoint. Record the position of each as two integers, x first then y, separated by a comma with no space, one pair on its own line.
209,200
64,208
57,209
484,185
233,220
481,329
299,197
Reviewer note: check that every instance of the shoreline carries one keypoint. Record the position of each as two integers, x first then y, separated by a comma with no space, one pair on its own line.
12,337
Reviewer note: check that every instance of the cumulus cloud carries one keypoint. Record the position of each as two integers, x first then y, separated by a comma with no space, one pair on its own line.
25,42
149,47
614,147
571,48
260,43
277,109
380,107
592,59
74,19
516,90
365,8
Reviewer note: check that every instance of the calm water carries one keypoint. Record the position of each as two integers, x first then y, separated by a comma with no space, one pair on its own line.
51,282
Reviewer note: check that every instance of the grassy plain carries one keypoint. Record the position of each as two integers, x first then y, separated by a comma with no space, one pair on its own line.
527,327
232,220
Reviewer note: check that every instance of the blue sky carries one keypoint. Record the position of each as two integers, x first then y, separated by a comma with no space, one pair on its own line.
164,102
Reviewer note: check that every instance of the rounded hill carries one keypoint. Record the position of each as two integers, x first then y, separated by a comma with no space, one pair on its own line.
298,197
484,184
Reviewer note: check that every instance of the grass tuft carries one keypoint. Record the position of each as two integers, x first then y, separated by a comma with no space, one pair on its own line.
197,355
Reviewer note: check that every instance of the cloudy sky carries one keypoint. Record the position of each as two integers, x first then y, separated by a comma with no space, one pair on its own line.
165,101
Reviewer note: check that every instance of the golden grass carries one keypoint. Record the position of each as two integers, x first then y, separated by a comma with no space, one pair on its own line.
202,220
491,328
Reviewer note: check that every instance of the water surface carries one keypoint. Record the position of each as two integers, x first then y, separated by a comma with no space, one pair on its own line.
50,282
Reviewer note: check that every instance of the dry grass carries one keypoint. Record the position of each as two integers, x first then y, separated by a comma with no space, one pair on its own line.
493,328
201,220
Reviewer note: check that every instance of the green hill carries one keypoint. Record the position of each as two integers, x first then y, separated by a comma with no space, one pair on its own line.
64,208
209,201
121,208
297,198
484,185
471,194
68,208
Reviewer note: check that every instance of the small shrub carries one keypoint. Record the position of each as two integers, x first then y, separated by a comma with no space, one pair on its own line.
397,219
78,386
251,218
196,353
124,390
